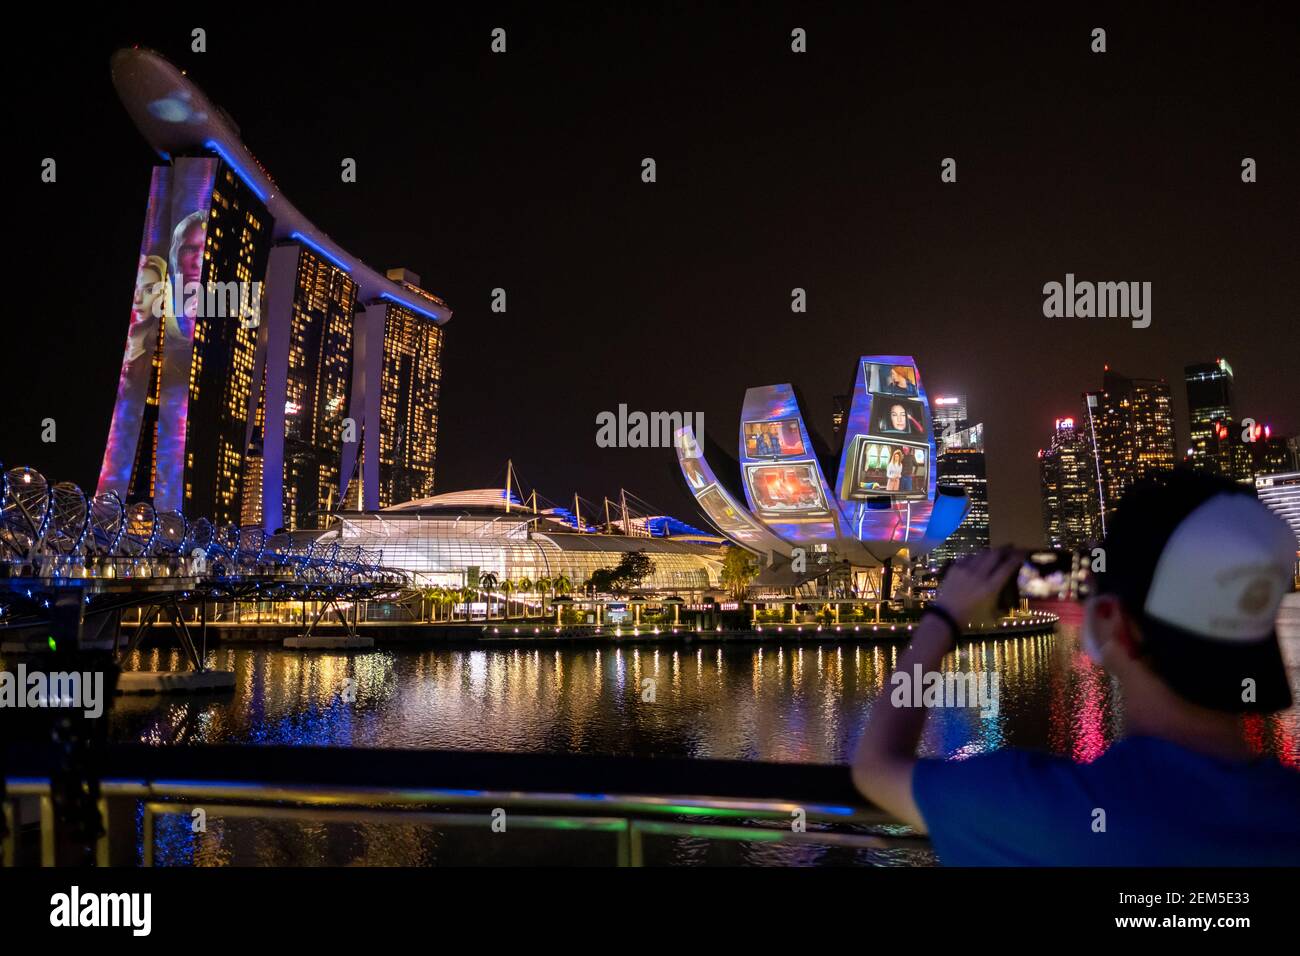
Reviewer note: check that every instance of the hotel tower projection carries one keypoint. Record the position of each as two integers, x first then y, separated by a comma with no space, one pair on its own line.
270,377
886,496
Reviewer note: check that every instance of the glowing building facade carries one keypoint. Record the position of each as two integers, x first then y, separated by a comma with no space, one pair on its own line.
455,539
304,364
1209,403
265,366
961,462
1071,508
409,389
885,498
1130,425
177,433
1281,493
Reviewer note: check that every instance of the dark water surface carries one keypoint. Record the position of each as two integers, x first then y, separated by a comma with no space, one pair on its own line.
780,701
775,702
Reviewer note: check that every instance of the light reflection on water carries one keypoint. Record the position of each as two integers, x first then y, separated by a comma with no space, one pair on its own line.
776,702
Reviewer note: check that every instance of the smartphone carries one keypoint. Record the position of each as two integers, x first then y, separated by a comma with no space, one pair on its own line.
1046,574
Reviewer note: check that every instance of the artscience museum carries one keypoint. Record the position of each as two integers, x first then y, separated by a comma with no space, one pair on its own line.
885,506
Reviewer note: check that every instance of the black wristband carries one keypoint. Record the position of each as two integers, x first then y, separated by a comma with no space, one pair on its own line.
953,627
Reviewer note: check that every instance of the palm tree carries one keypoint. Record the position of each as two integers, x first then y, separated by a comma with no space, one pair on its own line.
543,584
429,594
454,597
562,585
509,587
487,583
525,587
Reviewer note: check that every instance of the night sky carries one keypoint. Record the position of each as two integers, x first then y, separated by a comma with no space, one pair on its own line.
775,171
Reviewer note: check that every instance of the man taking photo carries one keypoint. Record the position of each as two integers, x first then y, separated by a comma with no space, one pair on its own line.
1183,619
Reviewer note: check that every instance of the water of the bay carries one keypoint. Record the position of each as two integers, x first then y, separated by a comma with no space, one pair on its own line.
782,701
777,701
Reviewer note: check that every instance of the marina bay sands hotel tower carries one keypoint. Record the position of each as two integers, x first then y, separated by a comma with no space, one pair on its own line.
269,375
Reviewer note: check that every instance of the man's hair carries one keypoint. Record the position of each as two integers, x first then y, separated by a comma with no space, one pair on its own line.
199,218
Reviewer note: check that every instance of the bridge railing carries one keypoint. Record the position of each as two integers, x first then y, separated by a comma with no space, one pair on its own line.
627,806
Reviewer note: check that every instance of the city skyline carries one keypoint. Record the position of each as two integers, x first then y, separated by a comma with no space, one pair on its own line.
597,304
658,436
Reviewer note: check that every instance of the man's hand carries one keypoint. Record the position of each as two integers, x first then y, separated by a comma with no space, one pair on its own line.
886,756
970,588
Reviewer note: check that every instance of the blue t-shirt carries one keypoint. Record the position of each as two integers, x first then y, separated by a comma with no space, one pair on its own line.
1164,805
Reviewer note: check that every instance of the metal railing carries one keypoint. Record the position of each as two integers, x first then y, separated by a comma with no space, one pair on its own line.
627,799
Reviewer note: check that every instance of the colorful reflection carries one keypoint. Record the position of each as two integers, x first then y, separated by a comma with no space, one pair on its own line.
779,702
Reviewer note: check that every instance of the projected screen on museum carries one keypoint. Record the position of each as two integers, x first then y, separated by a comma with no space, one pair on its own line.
889,451
790,489
725,515
900,418
881,466
778,439
721,509
898,380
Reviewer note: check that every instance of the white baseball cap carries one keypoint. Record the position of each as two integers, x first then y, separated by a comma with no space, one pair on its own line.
1204,566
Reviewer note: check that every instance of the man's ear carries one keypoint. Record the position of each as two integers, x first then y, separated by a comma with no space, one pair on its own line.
1110,626
1100,615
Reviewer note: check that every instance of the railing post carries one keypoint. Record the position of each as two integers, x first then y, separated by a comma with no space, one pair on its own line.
47,829
148,827
636,853
101,844
11,838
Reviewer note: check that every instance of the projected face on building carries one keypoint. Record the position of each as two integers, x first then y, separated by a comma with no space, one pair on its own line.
695,476
187,257
892,379
898,418
149,303
171,257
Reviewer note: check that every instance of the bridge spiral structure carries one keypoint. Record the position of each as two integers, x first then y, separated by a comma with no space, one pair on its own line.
54,533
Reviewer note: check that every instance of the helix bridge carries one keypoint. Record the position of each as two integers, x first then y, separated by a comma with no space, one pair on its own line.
71,563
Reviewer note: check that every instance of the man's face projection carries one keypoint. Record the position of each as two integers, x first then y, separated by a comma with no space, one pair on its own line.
190,256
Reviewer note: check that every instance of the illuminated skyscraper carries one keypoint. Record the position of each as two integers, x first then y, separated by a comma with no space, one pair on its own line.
1209,403
961,462
1130,425
1281,493
1071,516
304,361
177,433
221,375
395,400
949,410
1247,448
254,411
